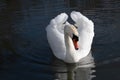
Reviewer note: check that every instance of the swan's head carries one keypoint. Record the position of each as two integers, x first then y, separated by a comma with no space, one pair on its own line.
72,31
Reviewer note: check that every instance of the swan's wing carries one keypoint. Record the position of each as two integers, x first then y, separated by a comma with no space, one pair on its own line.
86,31
55,35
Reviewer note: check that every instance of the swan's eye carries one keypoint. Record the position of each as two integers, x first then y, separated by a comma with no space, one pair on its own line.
75,37
76,27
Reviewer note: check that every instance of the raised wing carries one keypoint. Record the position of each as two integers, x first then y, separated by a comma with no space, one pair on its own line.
55,35
86,31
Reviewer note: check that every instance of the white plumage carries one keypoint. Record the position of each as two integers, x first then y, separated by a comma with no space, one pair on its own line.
61,43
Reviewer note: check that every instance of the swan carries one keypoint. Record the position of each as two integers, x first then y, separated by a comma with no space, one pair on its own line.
70,42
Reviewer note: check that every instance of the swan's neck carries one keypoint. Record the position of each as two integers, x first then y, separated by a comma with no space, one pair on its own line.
68,43
70,50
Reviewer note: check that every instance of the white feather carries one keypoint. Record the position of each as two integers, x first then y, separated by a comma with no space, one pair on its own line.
55,36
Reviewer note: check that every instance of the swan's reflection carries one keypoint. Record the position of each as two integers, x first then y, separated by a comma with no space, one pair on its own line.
79,71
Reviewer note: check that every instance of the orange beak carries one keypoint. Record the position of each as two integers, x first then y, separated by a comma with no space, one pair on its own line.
75,44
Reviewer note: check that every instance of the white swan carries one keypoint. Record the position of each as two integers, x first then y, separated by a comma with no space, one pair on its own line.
67,42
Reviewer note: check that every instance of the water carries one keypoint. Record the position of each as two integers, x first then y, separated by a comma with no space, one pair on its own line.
83,70
26,55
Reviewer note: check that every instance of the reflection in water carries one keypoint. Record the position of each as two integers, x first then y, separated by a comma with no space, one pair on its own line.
83,70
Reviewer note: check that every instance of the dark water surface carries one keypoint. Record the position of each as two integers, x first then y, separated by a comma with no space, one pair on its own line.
26,55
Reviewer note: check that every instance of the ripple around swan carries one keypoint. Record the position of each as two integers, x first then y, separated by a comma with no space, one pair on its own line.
84,69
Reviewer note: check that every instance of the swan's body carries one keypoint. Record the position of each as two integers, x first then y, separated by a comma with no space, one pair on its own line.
60,37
